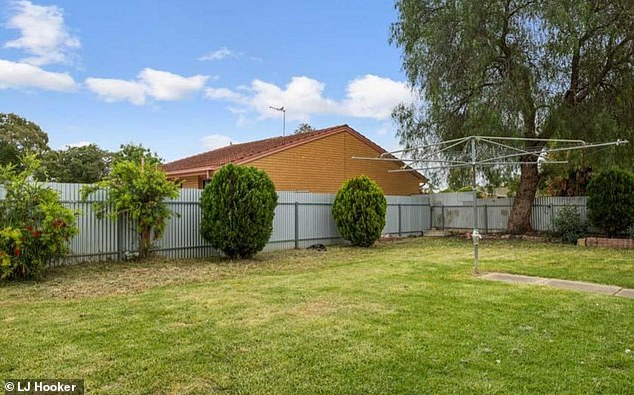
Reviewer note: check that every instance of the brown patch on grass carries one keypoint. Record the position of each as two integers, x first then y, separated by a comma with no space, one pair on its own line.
124,278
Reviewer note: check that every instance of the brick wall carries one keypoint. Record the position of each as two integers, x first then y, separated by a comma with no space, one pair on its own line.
321,166
605,242
193,182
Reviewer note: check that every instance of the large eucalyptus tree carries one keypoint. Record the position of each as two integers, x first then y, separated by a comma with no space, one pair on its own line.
534,69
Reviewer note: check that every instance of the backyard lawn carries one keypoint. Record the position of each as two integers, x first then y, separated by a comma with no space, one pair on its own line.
401,317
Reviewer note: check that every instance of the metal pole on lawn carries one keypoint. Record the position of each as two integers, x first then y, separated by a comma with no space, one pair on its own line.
475,235
494,160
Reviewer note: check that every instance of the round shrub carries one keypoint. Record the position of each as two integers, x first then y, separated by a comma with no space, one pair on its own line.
359,211
238,206
568,225
611,201
34,226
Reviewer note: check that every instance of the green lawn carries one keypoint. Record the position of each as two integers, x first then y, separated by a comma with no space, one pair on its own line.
401,317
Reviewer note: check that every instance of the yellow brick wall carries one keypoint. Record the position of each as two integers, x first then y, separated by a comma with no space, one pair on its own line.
391,183
323,165
317,166
191,182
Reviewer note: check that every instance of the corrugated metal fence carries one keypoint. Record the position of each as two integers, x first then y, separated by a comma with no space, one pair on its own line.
301,219
455,211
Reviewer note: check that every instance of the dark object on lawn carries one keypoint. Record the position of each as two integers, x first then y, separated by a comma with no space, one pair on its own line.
317,247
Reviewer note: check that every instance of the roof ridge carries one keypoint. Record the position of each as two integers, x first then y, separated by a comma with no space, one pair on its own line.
283,140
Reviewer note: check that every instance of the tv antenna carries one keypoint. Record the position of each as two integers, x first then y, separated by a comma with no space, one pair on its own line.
283,110
503,151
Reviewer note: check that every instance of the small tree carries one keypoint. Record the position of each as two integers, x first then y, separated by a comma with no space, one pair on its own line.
304,128
137,190
136,153
34,226
238,207
359,211
611,201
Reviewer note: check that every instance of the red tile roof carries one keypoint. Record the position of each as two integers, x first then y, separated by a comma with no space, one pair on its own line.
247,152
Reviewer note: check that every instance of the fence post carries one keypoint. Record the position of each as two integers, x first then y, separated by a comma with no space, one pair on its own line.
442,214
120,236
552,212
399,220
486,219
296,225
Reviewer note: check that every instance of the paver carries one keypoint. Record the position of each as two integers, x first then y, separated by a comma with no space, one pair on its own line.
583,286
626,293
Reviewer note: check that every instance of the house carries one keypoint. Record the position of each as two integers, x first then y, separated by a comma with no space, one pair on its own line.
317,161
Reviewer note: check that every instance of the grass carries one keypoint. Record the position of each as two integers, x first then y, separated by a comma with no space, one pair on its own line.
401,317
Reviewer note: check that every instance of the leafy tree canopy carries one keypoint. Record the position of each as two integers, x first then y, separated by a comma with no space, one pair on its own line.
19,137
304,128
533,69
86,164
135,153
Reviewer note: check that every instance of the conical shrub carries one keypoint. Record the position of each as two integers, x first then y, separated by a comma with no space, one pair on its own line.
238,207
359,211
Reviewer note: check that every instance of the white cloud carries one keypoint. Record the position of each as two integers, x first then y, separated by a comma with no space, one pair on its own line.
369,96
159,85
22,75
214,141
220,54
42,33
112,90
224,94
374,97
163,85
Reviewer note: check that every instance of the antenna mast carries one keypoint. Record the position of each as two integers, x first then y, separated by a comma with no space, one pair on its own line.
283,110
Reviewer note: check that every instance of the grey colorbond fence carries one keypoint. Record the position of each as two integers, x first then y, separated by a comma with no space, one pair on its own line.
493,214
301,219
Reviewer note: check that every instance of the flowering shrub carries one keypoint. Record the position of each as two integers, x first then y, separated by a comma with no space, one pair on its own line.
34,226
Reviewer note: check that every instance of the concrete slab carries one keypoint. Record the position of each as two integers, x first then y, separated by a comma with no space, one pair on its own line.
513,278
583,286
626,293
435,233
570,285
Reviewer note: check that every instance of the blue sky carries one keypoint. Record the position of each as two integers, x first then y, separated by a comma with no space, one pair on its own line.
182,77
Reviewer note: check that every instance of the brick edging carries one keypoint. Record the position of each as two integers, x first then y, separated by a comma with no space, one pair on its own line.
606,242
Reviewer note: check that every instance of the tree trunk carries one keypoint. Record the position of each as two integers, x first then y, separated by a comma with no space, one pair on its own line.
144,241
520,218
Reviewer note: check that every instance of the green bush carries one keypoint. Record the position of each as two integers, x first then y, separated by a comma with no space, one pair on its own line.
359,211
34,226
568,225
611,201
238,207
